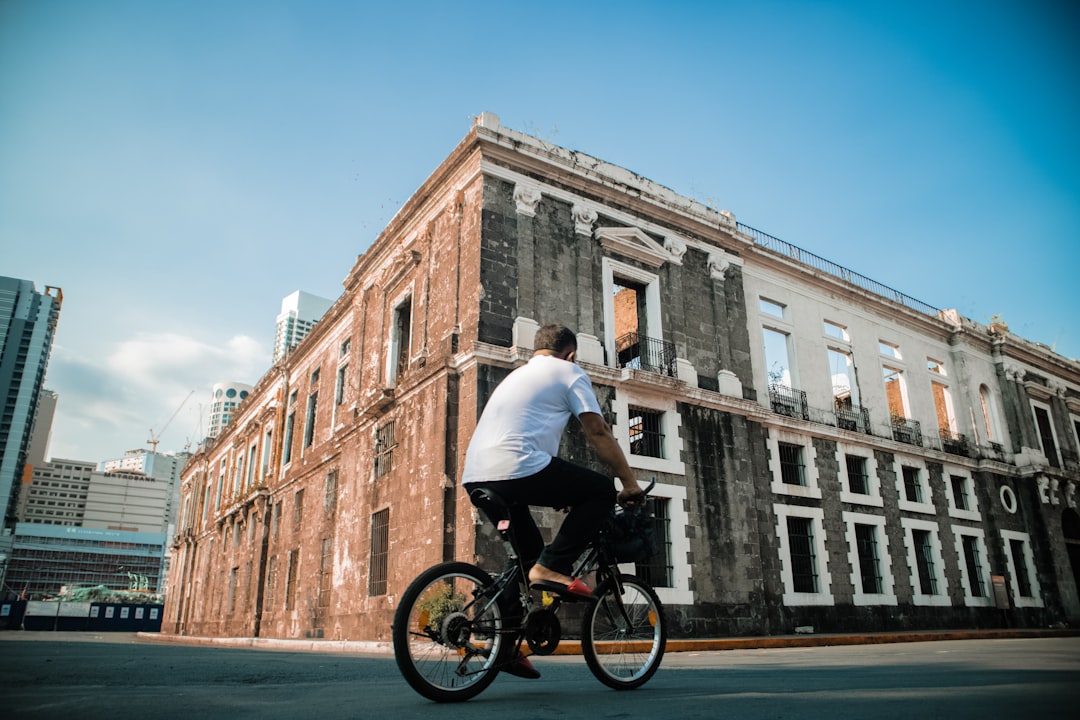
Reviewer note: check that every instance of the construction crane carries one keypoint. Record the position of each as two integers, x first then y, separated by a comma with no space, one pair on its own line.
155,438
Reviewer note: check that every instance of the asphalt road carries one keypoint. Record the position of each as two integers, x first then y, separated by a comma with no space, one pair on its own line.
84,678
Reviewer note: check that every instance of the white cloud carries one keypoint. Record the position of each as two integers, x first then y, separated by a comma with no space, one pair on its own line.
144,383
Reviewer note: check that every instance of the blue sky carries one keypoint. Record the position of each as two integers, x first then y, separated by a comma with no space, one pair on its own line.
178,168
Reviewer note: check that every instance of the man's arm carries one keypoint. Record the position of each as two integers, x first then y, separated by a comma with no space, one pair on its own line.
600,437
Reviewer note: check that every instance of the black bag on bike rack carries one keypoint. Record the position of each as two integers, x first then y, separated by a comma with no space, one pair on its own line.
630,535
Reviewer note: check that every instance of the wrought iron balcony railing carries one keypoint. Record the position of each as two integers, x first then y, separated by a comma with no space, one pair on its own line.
853,418
788,401
954,443
645,353
906,430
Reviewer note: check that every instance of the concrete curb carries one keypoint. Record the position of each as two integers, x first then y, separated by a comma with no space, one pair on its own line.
573,647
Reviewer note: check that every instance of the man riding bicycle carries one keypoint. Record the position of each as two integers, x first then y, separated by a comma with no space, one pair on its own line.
513,452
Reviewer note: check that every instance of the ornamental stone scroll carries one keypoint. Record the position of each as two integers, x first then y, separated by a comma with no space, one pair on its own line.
527,198
584,217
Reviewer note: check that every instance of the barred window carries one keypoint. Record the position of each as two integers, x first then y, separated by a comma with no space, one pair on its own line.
646,432
658,571
792,469
290,580
380,551
924,560
858,480
974,565
912,485
869,562
803,558
960,492
298,509
385,443
330,496
326,572
1023,581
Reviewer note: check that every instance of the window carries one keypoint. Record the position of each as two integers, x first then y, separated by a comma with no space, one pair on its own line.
858,481
309,421
913,491
339,387
924,561
804,576
777,362
769,307
793,463
1020,565
380,551
326,573
960,492
267,444
802,554
290,421
935,366
343,350
271,582
989,415
275,520
646,432
869,564
658,571
889,349
792,468
928,582
330,495
836,332
895,391
400,339
231,601
252,455
385,442
298,509
842,379
943,406
868,555
290,579
633,334
973,565
1046,435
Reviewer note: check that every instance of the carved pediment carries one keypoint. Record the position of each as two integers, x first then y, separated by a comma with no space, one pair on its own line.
633,243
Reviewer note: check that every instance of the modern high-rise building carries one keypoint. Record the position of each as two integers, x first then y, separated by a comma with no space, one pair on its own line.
299,313
225,397
27,325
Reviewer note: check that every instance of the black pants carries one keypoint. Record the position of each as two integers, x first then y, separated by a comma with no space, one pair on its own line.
589,495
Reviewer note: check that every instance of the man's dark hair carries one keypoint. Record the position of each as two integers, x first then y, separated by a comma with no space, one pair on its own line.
557,338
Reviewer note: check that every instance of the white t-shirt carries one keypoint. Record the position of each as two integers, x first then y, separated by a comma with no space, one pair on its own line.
520,428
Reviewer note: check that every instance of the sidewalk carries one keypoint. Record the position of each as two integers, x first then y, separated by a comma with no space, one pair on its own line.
573,647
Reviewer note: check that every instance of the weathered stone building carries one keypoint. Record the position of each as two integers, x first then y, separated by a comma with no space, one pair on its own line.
828,452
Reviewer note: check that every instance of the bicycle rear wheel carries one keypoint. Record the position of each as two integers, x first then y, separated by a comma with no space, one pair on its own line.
448,641
623,636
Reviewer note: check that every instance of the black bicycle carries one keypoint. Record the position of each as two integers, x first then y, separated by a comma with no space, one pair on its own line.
457,627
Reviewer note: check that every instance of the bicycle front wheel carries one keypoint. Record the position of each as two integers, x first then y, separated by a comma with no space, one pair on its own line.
449,641
624,635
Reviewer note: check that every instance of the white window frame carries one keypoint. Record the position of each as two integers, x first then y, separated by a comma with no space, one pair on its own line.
927,506
990,415
824,594
610,269
1053,431
874,499
681,572
887,596
1029,559
948,473
959,533
393,340
670,422
811,489
942,599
